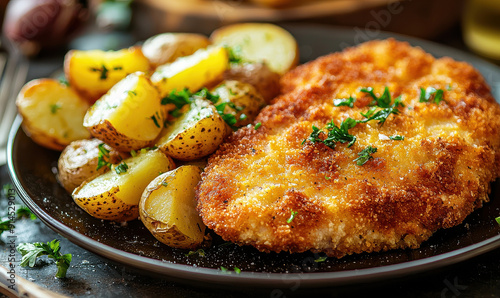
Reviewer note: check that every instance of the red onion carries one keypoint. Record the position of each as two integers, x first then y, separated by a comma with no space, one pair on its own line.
35,24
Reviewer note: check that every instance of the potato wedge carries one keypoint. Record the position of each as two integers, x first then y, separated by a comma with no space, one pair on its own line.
195,134
168,208
167,47
192,72
115,196
260,42
79,162
240,100
52,113
93,73
266,81
129,116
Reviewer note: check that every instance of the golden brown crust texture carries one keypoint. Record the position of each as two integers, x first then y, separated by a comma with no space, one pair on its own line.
432,179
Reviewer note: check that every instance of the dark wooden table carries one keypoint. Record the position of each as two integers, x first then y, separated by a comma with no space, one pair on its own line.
94,276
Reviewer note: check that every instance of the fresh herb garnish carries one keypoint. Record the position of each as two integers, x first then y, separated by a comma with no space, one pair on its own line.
5,225
365,155
498,220
384,101
121,168
31,251
292,216
349,102
234,54
257,126
335,134
164,183
321,259
155,120
25,212
55,107
208,95
133,153
64,81
223,269
237,270
178,98
431,93
199,253
131,93
101,157
397,138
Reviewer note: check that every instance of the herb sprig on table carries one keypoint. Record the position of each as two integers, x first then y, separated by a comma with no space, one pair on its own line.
31,251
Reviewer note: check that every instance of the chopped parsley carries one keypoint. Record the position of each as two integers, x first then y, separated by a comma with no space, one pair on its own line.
131,93
164,183
365,155
101,157
397,138
155,120
55,107
349,102
292,216
64,81
31,251
234,54
257,126
208,95
25,212
498,220
237,270
104,71
198,253
223,269
178,98
384,101
121,168
321,259
431,93
6,225
133,153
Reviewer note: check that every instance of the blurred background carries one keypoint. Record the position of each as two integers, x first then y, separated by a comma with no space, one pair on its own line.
38,25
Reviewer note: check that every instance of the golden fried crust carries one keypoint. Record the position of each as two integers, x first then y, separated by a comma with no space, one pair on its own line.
432,179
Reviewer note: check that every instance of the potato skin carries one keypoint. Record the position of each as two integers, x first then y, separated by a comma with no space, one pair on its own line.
78,162
129,116
168,208
259,75
167,47
52,113
246,101
93,73
114,196
195,134
260,42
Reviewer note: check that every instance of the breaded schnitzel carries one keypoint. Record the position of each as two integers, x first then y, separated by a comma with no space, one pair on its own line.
299,182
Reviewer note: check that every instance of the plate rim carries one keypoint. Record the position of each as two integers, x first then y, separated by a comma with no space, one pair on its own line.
187,273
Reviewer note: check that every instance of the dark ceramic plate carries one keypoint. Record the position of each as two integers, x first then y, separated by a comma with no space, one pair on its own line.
32,169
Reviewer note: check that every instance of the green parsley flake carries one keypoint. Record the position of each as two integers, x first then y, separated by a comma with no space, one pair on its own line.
321,259
431,93
234,54
25,212
223,269
121,168
101,157
164,183
349,102
397,138
292,216
55,107
498,220
198,253
31,251
365,155
156,120
237,270
257,126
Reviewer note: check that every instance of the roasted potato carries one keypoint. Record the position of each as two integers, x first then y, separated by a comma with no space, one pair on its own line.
168,208
266,81
167,47
79,161
192,72
52,113
195,134
115,195
93,73
240,100
259,42
129,116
